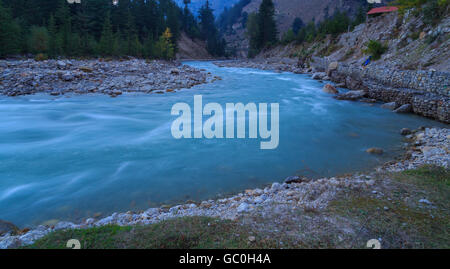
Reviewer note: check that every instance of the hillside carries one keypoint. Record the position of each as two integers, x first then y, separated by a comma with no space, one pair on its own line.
286,13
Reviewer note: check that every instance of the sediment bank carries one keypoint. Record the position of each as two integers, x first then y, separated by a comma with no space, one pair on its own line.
112,77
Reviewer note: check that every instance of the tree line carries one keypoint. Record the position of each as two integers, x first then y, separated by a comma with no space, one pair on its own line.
140,28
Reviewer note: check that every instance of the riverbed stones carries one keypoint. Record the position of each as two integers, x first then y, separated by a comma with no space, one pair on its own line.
328,88
23,77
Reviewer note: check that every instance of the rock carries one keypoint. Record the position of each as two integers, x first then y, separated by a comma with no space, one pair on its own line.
328,88
404,109
425,201
61,64
295,179
391,106
251,239
244,207
376,151
318,75
86,69
333,66
175,71
64,225
340,85
405,131
276,186
7,227
422,35
351,95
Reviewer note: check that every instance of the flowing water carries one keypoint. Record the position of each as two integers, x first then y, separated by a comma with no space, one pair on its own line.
72,157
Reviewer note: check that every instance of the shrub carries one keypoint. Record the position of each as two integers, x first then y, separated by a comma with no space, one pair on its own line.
376,49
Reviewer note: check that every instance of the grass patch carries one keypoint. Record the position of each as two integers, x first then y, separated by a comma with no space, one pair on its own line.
402,221
181,233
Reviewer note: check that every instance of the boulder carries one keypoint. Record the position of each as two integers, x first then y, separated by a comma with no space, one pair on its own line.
376,151
351,95
340,85
318,75
328,88
405,131
391,106
7,227
175,71
333,66
404,109
295,179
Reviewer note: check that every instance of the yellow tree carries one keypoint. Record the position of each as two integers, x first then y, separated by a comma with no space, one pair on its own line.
164,47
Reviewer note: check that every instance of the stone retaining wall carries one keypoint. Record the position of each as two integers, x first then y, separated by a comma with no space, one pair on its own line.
428,92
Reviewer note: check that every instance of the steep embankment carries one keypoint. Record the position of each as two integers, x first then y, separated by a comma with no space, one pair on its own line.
189,48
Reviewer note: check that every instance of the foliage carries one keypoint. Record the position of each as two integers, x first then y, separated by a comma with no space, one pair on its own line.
95,28
375,49
209,32
262,28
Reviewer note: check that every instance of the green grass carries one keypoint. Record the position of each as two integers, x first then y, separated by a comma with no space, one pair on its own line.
406,223
181,233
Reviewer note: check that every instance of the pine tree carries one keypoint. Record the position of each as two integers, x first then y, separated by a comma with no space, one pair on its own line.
106,45
267,25
164,48
9,33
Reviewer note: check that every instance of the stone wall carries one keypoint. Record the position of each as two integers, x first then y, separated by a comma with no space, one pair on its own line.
428,92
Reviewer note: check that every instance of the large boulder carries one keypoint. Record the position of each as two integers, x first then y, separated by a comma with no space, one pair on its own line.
351,95
404,109
328,88
331,67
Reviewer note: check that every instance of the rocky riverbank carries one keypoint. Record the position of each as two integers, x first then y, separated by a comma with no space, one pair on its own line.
112,77
424,93
271,208
273,64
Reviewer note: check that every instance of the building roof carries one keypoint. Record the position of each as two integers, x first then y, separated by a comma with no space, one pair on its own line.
382,10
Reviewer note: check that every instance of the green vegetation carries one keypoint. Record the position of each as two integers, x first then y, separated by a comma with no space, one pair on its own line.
100,28
262,28
399,218
433,10
182,233
375,49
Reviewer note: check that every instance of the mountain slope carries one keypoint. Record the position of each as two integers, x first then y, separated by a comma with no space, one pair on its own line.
286,12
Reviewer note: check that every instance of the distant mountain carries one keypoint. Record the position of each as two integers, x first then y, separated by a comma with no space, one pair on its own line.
217,5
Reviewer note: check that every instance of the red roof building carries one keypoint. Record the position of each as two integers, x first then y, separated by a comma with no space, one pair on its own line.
382,10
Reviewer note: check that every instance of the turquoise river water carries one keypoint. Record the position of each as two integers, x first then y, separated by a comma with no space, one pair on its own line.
71,157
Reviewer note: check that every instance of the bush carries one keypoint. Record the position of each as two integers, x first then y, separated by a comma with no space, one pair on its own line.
376,49
41,57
